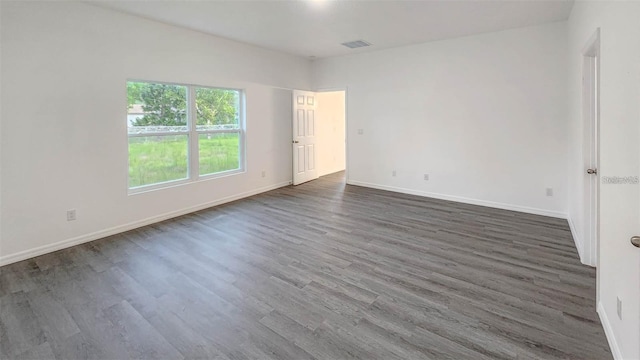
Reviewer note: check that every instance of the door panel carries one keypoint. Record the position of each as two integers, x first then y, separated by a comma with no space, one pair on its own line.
301,159
311,157
311,123
301,125
304,137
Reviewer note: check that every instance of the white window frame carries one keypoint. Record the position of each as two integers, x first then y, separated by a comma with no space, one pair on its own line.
192,133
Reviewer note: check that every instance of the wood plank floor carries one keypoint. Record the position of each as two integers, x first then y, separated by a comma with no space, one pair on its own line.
317,271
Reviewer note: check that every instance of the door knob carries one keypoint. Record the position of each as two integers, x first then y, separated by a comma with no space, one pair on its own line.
295,141
635,241
592,171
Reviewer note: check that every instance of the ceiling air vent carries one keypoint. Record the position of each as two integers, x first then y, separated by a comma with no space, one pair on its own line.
356,44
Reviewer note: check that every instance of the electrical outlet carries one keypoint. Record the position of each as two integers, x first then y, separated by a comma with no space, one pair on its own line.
71,215
426,176
393,173
360,131
619,307
549,192
264,173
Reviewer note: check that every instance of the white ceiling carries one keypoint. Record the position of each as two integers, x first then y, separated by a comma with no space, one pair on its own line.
318,27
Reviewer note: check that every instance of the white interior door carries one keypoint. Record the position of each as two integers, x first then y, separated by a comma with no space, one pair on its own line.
635,241
304,136
591,178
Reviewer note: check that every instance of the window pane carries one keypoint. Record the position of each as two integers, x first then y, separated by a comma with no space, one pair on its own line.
217,109
154,108
219,152
156,159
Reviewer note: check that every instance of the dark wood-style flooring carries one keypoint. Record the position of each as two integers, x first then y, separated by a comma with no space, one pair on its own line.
317,271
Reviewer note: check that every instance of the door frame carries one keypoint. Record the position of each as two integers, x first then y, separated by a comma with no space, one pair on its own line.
591,56
346,125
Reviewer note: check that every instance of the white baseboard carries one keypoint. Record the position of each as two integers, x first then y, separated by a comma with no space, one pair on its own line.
608,331
578,242
497,205
41,250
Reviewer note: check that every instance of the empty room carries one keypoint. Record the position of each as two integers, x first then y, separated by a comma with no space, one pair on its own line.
320,179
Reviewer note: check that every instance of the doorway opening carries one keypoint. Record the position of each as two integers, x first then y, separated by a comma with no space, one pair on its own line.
319,134
591,118
332,146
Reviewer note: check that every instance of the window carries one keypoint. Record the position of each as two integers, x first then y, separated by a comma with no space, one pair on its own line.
182,133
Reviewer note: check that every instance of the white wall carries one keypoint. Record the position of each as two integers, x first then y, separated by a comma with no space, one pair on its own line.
618,270
330,129
64,136
484,116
